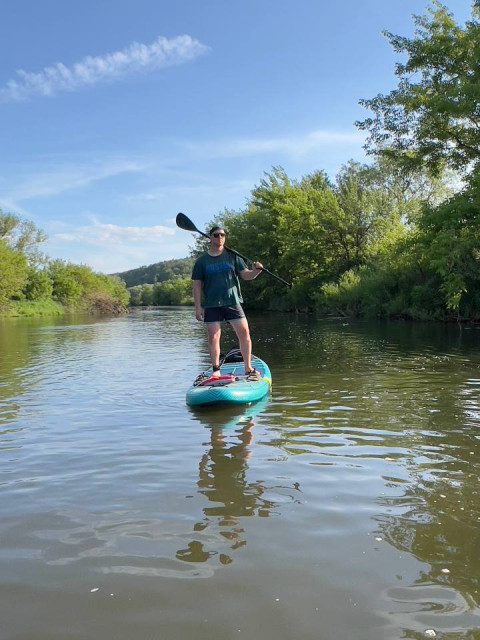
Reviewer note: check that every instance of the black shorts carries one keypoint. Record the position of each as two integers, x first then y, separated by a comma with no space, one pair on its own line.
218,314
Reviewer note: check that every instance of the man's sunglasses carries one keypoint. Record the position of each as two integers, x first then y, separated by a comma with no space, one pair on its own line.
218,235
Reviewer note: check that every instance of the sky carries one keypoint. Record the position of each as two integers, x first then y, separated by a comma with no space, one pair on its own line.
117,114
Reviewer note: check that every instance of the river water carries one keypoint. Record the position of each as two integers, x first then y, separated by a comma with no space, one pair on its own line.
345,505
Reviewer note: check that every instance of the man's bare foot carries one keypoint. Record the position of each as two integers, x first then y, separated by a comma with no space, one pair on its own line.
216,374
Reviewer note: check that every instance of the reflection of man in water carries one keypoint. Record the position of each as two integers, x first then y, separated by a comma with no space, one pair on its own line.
222,479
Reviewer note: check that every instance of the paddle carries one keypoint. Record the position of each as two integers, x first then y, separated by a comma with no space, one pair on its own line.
187,225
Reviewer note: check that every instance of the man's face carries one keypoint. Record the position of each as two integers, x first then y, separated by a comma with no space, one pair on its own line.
217,238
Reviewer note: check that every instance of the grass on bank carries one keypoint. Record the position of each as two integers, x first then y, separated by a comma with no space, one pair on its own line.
29,309
97,302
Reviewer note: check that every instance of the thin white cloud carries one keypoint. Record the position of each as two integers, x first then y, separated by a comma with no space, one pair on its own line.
296,145
10,206
163,52
62,178
105,235
185,189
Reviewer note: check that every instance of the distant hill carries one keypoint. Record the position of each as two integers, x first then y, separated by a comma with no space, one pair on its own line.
158,272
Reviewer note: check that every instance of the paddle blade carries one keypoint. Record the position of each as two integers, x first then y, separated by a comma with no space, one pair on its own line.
185,223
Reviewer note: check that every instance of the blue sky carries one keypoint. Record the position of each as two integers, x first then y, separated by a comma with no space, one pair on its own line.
117,114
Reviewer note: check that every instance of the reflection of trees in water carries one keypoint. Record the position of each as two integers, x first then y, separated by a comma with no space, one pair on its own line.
15,355
26,346
223,481
315,338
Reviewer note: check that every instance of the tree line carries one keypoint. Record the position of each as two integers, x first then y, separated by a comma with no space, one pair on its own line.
358,245
31,283
158,272
161,284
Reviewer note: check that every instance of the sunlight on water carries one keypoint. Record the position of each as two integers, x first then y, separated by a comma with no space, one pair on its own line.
344,505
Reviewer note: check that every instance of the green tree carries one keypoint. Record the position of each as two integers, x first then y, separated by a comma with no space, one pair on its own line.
371,213
13,273
66,288
433,116
449,237
116,287
79,286
319,230
408,191
39,285
177,291
147,295
308,219
23,236
135,295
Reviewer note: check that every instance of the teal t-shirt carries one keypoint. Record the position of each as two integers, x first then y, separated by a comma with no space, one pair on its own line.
219,275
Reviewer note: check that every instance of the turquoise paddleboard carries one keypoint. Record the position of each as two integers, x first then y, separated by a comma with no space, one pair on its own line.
232,387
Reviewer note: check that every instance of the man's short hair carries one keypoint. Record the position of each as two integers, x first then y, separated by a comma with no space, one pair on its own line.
214,229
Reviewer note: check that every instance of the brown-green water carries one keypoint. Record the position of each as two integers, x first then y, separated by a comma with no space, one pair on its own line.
346,505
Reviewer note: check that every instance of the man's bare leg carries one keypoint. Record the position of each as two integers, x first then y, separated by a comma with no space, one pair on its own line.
214,332
242,330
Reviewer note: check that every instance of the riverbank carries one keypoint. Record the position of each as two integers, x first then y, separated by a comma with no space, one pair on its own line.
38,308
31,309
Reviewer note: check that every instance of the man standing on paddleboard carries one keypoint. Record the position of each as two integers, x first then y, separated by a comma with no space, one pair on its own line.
215,279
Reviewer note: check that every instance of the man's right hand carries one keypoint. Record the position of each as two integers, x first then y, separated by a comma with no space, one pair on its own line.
199,314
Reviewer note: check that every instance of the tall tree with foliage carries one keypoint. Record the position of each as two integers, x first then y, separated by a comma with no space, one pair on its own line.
432,118
23,236
39,285
431,121
371,213
449,236
311,230
13,272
